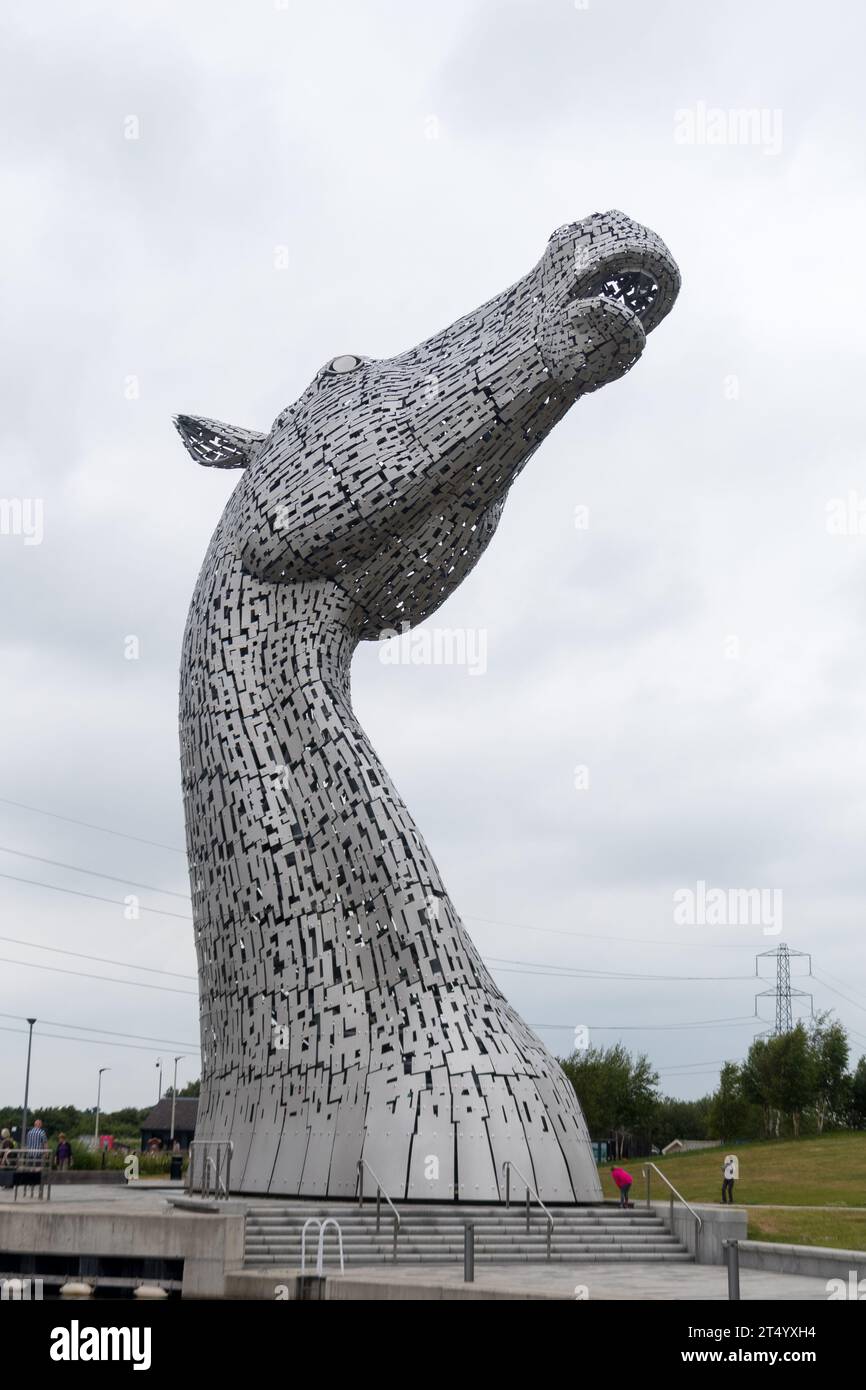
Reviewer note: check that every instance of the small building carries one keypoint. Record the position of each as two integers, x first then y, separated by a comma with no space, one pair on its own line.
681,1146
157,1125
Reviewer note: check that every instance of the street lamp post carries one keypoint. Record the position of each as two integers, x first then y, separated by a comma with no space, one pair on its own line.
174,1097
23,1142
159,1091
98,1098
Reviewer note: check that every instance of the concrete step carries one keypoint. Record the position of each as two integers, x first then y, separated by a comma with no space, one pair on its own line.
456,1237
381,1258
482,1240
450,1211
435,1233
456,1231
456,1219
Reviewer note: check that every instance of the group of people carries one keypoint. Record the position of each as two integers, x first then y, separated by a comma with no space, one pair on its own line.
35,1145
730,1173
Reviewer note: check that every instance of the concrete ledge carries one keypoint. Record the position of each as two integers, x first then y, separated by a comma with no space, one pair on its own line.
371,1286
817,1260
208,1245
718,1224
87,1175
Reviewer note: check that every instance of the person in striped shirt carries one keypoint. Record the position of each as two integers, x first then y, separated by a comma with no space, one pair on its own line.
36,1138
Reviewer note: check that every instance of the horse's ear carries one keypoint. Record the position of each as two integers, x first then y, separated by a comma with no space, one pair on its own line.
217,445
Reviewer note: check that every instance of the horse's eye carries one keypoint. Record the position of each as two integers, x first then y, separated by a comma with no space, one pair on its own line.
344,364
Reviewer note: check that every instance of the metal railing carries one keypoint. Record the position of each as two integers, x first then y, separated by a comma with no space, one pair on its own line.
506,1168
26,1169
380,1193
320,1253
648,1170
731,1250
216,1166
469,1253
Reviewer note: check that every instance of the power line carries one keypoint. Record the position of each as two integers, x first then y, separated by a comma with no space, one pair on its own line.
605,936
92,873
113,1032
96,898
94,1042
103,960
838,992
106,979
708,1072
582,972
492,921
651,1027
576,972
123,835
842,982
685,1067
502,964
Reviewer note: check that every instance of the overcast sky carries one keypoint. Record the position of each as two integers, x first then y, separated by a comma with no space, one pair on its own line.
203,202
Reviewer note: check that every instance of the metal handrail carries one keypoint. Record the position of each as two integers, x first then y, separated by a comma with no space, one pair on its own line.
679,1196
32,1161
320,1254
380,1193
506,1168
211,1163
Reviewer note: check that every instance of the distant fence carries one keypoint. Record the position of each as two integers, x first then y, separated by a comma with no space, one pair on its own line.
26,1171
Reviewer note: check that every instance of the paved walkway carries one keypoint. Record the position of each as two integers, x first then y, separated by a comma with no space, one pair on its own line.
162,1188
149,1195
632,1282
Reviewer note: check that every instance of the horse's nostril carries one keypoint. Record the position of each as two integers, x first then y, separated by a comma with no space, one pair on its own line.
634,289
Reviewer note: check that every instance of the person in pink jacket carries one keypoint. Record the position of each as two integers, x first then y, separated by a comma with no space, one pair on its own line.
623,1181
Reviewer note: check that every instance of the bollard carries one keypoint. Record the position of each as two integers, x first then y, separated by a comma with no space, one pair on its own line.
469,1253
732,1260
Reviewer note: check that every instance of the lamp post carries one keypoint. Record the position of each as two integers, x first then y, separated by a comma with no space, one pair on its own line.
174,1097
98,1098
159,1091
23,1143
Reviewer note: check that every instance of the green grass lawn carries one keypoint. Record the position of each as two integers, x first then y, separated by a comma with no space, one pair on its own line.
830,1171
840,1230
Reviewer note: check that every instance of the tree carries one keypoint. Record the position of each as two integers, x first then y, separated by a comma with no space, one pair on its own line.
794,1084
589,1071
729,1111
617,1092
828,1042
680,1119
856,1109
192,1089
756,1080
126,1120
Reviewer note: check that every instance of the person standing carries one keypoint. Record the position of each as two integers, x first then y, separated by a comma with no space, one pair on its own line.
36,1138
64,1152
623,1181
7,1144
730,1172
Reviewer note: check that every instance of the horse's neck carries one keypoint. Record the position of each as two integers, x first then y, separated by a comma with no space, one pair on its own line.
286,799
